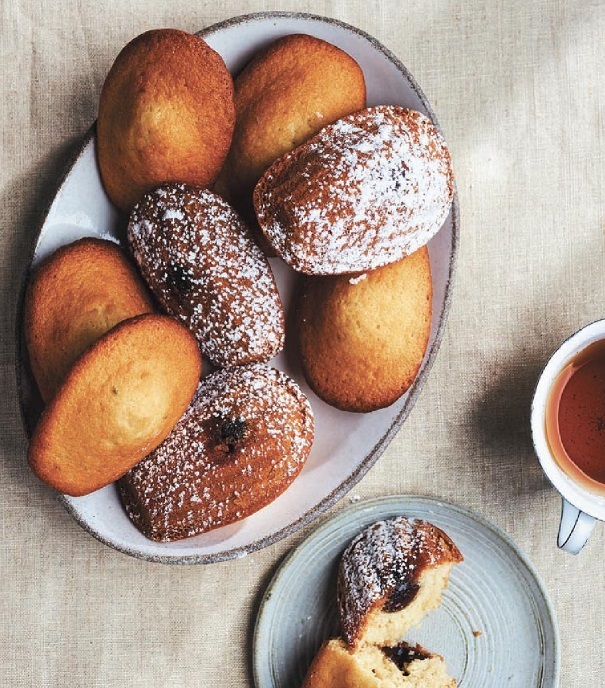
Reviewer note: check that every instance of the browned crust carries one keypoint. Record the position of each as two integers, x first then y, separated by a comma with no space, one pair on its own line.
166,113
359,350
356,602
74,296
331,666
119,401
243,440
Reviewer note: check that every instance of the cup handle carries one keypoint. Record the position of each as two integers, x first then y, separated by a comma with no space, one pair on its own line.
575,528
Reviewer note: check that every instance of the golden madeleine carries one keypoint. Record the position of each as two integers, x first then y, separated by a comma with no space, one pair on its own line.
76,295
287,93
362,338
166,114
120,400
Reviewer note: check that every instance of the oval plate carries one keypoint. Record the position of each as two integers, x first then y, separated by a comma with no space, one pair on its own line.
346,444
494,627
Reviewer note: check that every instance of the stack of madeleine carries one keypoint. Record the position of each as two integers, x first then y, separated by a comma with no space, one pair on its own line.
216,176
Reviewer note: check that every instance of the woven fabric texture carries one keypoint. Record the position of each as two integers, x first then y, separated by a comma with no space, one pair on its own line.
519,89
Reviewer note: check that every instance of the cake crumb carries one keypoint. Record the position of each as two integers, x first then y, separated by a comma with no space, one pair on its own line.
477,634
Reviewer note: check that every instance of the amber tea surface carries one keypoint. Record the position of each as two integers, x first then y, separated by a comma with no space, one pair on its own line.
575,418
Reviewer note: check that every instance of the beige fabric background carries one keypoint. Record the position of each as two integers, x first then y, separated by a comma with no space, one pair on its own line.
519,88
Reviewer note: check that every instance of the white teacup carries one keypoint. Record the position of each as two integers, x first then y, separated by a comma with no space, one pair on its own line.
581,506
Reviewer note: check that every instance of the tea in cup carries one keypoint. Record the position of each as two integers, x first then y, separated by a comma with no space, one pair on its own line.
568,430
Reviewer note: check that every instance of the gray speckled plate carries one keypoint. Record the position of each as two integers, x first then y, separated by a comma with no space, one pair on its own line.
495,626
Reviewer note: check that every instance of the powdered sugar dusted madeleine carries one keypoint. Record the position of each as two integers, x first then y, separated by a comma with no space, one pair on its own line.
242,441
366,191
390,576
200,261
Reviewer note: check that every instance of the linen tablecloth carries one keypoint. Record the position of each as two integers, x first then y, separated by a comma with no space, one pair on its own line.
519,89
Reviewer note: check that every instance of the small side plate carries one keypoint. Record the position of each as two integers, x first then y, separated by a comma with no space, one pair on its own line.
495,625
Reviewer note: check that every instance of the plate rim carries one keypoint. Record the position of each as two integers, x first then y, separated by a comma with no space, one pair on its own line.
374,454
397,500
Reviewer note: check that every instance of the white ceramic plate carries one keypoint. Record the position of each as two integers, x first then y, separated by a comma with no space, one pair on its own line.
346,444
495,591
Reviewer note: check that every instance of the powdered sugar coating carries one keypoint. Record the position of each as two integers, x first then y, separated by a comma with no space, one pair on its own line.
242,441
203,266
366,191
382,558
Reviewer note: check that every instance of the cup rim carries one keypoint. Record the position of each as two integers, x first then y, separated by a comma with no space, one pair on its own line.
580,497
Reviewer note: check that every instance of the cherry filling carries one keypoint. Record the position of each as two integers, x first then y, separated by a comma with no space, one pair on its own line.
403,655
403,594
179,280
229,432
